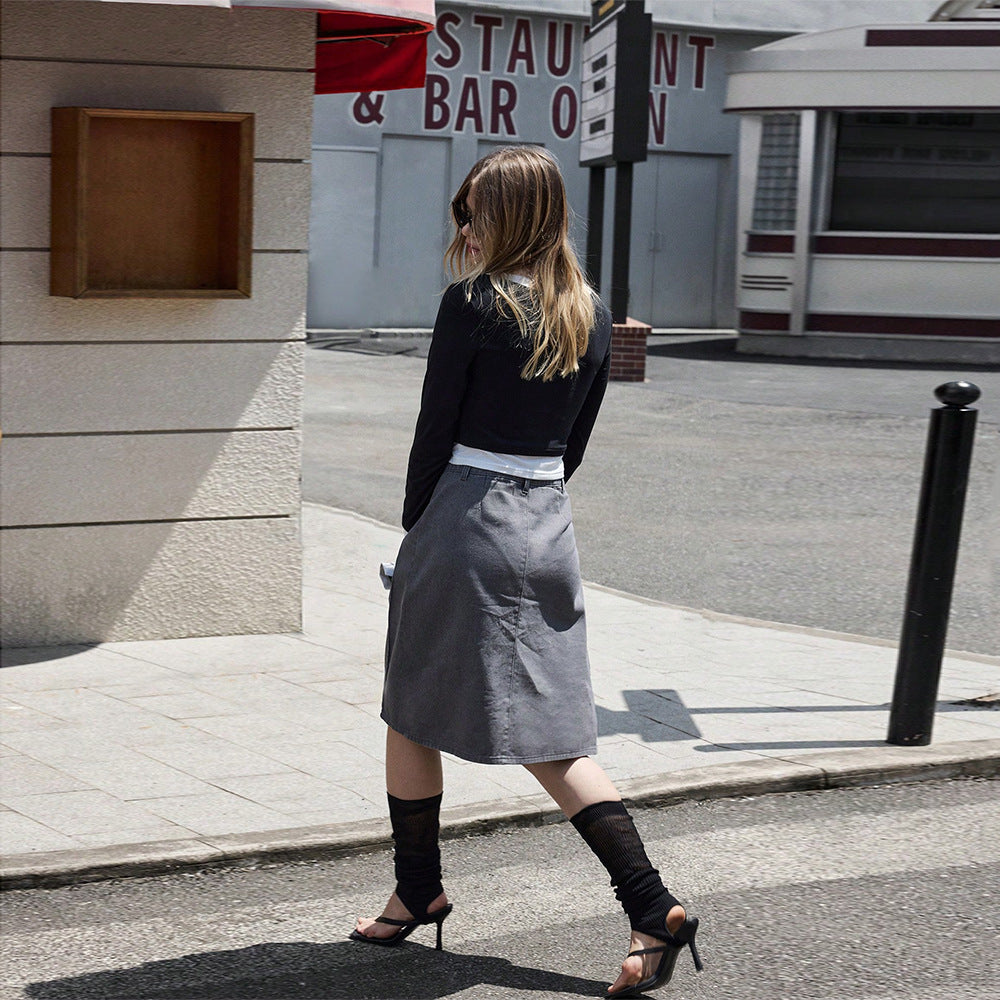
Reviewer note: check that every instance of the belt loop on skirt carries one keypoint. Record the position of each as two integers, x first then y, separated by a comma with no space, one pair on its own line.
525,486
465,472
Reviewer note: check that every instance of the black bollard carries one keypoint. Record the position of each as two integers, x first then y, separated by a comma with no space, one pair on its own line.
932,566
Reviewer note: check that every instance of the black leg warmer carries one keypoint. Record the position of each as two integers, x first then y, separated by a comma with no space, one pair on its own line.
610,833
415,830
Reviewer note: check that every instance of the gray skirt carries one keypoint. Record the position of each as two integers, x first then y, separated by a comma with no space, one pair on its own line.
486,654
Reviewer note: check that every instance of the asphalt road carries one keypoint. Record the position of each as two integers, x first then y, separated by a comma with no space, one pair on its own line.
884,893
780,490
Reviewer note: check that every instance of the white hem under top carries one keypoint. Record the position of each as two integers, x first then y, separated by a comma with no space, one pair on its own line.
546,467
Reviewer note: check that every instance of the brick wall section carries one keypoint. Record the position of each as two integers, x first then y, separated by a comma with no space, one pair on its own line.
628,351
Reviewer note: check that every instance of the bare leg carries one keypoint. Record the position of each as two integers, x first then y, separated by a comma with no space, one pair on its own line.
576,784
411,772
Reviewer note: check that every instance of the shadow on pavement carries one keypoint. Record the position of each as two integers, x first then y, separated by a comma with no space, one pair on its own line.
659,715
415,346
18,657
297,970
789,745
967,705
718,348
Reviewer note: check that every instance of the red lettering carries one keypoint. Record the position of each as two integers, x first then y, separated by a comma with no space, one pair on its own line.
487,22
522,48
701,44
658,117
437,114
448,20
664,60
503,100
470,106
559,65
565,108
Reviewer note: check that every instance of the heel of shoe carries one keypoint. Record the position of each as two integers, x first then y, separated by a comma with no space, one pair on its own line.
697,958
686,935
438,919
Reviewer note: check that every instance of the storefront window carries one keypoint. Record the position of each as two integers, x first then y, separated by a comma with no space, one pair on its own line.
917,172
777,174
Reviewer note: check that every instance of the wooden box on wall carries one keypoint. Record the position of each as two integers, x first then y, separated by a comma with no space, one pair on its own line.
154,204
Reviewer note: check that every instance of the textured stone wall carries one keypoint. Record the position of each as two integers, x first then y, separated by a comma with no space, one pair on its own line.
151,447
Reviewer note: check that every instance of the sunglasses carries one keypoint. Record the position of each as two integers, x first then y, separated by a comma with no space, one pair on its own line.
463,217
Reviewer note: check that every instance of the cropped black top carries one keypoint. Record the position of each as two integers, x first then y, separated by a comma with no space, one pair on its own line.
474,395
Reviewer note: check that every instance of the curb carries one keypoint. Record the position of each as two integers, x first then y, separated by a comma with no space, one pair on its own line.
853,768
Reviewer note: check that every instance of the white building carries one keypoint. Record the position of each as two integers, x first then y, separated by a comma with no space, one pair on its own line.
869,219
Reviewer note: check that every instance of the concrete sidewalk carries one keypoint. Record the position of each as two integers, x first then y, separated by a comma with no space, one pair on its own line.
135,757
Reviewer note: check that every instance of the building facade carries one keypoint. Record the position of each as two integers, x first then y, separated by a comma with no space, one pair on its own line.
870,196
384,165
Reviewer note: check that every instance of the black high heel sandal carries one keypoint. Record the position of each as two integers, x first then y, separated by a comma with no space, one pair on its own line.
672,946
406,928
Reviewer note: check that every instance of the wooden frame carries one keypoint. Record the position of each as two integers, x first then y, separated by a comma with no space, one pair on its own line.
151,204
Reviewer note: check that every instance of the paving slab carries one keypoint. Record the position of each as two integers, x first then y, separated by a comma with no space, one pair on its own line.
141,757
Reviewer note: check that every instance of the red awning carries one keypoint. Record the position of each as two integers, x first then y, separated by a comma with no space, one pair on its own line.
362,52
366,45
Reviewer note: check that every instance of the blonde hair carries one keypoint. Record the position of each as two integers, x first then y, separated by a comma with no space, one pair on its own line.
521,226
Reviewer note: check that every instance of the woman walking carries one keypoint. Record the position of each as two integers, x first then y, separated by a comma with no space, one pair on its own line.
486,656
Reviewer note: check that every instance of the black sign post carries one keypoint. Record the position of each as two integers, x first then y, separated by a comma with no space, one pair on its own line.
614,124
595,225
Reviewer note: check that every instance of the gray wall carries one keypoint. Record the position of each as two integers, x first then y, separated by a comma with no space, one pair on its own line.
385,165
151,446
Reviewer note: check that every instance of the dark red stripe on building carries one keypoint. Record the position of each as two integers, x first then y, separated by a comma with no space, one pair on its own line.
915,326
919,37
905,246
912,326
764,322
876,246
770,243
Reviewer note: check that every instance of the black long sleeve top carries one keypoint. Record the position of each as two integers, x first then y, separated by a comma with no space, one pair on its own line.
474,395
